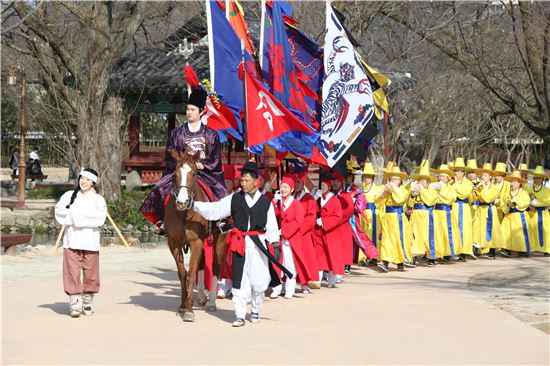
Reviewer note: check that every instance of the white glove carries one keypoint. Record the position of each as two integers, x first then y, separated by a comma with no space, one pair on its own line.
277,197
534,202
199,166
318,194
319,222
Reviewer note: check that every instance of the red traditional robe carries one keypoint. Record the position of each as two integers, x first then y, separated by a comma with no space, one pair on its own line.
307,226
345,229
291,220
327,239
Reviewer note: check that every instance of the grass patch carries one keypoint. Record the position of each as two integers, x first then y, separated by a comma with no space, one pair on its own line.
125,211
46,193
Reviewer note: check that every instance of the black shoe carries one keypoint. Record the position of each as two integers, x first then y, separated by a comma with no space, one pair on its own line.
410,265
383,267
506,253
462,258
400,267
431,263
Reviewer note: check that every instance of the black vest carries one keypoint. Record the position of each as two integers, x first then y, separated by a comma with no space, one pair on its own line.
257,213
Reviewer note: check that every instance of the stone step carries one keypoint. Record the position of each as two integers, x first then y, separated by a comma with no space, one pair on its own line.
30,212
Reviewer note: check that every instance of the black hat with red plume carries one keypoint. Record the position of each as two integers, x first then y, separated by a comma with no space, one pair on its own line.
197,96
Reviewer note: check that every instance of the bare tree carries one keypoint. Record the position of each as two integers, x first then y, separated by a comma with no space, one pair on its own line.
504,47
76,46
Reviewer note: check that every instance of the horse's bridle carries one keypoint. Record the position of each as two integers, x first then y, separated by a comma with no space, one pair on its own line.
190,201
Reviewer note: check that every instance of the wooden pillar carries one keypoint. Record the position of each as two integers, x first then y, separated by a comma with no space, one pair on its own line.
135,125
171,124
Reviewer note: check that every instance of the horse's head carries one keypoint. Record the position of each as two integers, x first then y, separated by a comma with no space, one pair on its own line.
186,169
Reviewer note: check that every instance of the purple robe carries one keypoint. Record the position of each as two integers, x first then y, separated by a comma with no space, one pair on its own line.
212,175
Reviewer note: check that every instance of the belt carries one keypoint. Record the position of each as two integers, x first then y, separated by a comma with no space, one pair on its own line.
441,206
465,200
421,206
394,209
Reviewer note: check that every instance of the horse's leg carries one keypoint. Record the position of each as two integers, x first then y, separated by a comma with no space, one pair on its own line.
196,252
177,253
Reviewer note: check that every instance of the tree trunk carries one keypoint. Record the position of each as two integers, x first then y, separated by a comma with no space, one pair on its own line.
101,148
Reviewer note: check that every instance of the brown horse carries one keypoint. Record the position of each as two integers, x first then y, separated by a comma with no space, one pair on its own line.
185,228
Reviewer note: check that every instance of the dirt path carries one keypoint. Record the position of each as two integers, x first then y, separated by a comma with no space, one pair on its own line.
421,316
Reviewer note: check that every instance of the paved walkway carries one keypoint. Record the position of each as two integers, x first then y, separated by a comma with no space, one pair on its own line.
421,316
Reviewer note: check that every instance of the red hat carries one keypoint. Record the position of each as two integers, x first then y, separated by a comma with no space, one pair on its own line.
289,179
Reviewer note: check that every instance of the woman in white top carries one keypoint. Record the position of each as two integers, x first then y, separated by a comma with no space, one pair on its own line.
82,211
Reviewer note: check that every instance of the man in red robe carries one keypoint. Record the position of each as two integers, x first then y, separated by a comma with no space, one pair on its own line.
345,229
307,227
327,237
291,214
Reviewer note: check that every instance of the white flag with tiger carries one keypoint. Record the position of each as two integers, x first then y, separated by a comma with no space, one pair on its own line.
347,93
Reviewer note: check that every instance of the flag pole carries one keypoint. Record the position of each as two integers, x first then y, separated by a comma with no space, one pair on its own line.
262,30
210,45
244,122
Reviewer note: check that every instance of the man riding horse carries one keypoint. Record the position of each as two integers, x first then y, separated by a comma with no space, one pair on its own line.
191,136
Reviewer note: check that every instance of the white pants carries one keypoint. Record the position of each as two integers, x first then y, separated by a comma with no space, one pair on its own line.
254,282
288,262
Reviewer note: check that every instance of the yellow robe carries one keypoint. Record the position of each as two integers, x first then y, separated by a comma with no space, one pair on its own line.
372,225
447,233
500,204
395,244
516,224
487,233
423,222
540,219
463,213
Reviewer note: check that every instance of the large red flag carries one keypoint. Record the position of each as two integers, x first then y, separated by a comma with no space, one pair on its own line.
217,115
266,117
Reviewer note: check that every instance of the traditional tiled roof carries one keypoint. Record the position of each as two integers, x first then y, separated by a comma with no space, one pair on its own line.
156,74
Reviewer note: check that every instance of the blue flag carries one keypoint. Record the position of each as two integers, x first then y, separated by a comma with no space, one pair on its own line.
225,57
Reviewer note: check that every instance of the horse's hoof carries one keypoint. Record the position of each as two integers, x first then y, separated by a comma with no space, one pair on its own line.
188,317
202,300
211,307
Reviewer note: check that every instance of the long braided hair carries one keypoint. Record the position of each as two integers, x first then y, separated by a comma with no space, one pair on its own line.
77,189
